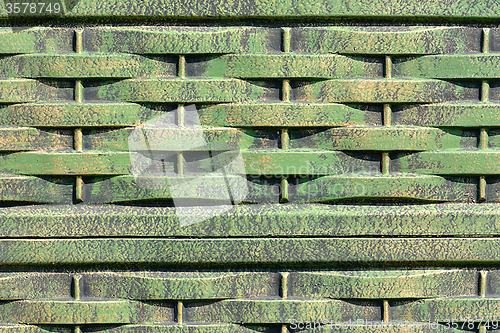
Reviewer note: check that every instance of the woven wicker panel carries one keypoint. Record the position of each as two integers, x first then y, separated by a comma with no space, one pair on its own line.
250,167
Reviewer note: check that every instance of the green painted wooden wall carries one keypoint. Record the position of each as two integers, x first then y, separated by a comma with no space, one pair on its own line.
367,191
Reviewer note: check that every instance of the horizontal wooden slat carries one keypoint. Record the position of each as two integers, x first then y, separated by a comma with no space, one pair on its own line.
14,286
35,39
459,10
454,66
181,40
185,285
459,309
35,190
66,163
286,66
23,139
26,90
383,138
384,40
393,186
383,91
73,114
46,311
287,115
181,328
253,220
281,311
297,162
450,162
174,138
387,284
263,251
180,91
86,65
448,115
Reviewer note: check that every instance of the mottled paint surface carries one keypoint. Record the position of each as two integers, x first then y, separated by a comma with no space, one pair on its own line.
368,134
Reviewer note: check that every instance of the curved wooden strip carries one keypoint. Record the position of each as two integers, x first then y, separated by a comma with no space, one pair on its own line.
181,91
34,285
281,311
448,114
170,137
71,312
450,162
286,66
401,186
459,309
287,115
35,190
455,66
387,284
382,91
384,40
28,40
66,163
177,286
383,138
25,139
181,40
71,114
27,90
86,65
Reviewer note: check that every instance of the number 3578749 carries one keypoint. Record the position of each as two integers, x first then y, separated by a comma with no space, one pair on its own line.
21,8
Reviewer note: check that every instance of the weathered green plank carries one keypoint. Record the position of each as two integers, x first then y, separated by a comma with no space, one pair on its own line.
185,285
459,10
382,91
287,66
35,39
281,311
34,189
459,309
264,251
26,90
14,286
448,115
257,162
228,115
180,91
66,163
85,65
450,162
181,40
383,138
253,220
72,114
401,186
386,40
302,163
453,66
287,115
23,138
202,190
174,138
386,284
69,311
